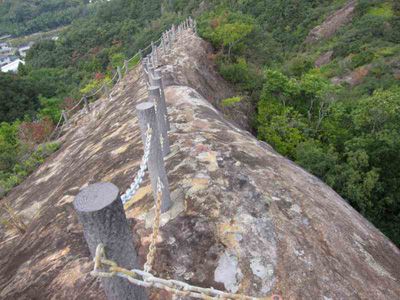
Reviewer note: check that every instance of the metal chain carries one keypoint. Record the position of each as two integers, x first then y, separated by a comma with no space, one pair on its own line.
131,191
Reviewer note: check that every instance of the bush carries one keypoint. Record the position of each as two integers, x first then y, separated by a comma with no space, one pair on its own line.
282,127
299,65
231,101
240,73
22,169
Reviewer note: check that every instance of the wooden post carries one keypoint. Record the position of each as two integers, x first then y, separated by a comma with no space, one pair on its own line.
154,54
86,104
151,59
119,73
100,211
145,61
65,116
150,69
162,119
107,91
170,40
157,81
163,44
147,117
126,66
173,32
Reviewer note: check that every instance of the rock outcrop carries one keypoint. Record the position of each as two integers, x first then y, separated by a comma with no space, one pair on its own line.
244,218
332,23
323,59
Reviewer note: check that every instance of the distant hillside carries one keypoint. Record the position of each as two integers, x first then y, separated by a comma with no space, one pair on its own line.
19,17
324,79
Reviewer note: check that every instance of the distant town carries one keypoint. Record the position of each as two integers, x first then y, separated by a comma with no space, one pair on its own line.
11,57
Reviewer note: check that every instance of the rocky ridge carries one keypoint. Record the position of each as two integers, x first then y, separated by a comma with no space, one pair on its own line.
244,218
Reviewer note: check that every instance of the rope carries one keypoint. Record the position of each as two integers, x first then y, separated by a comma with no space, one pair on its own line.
58,124
131,191
76,105
133,57
192,24
112,79
148,280
156,228
100,89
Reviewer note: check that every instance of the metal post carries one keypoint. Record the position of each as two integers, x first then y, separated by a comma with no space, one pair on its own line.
65,116
126,66
157,81
86,104
100,211
162,119
147,117
140,54
119,73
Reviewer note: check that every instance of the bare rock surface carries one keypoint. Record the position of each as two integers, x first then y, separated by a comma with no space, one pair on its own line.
332,23
244,218
354,77
323,59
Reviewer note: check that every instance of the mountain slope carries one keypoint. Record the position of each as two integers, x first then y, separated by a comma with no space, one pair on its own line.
238,205
26,17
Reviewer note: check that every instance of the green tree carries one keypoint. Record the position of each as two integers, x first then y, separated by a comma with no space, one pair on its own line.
18,97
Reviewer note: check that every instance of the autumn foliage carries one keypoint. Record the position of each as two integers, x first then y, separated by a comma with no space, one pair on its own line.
36,132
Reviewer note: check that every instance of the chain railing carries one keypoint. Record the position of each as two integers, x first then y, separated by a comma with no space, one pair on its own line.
131,191
153,124
63,120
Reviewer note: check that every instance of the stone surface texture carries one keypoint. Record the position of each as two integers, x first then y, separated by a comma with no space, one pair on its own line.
332,23
244,218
